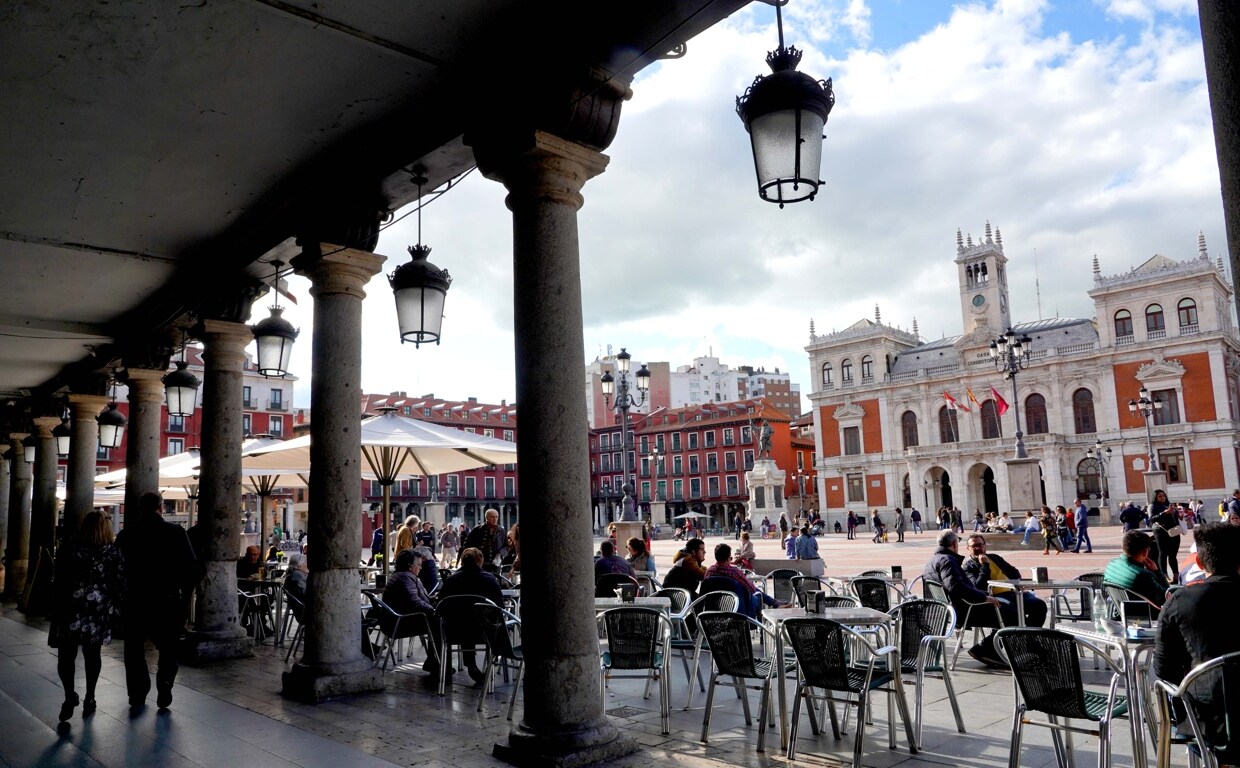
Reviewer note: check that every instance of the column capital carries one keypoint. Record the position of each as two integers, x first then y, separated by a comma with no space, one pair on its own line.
15,440
547,168
45,425
87,406
145,384
224,331
336,269
229,303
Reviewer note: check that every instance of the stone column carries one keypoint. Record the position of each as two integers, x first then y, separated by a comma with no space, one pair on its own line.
83,450
567,725
1220,41
4,503
43,508
217,630
17,553
146,395
333,663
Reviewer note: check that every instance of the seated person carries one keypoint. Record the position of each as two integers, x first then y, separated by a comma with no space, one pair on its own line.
945,567
273,554
753,598
744,552
981,567
470,579
405,594
838,529
790,543
1190,630
1004,523
295,578
248,564
610,562
1136,571
429,575
687,569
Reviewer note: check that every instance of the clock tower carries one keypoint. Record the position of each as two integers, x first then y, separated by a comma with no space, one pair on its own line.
982,271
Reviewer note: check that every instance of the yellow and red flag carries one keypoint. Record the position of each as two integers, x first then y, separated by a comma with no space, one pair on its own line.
972,397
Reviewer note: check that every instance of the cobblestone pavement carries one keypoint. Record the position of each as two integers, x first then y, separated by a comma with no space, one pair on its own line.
231,713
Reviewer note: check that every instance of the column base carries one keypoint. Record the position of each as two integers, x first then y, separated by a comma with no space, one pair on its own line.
200,648
312,684
591,746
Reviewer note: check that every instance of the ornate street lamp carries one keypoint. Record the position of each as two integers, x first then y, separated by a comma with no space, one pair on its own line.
1147,406
63,435
30,445
274,335
420,288
785,113
1101,456
800,476
111,424
181,390
1011,354
625,401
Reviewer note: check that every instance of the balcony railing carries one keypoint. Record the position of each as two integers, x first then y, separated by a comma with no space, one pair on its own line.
276,406
1159,334
1192,329
1125,340
248,404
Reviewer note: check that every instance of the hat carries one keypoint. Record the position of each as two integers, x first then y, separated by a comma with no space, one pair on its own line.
405,559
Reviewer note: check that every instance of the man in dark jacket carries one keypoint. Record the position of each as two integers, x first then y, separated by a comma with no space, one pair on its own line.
945,568
489,539
160,571
687,569
470,579
1190,630
981,567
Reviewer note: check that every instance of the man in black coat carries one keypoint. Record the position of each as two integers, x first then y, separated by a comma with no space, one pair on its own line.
160,570
470,579
489,539
981,567
945,568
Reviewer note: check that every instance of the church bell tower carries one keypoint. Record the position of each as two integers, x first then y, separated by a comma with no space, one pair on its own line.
982,271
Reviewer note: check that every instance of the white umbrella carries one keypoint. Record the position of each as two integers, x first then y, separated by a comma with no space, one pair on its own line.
692,515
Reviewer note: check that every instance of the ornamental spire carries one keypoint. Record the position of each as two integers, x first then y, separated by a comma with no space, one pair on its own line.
1201,244
989,238
1097,268
959,240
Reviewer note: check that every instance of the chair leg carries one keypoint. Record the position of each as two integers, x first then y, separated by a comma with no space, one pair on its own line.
951,698
665,697
914,741
1014,749
763,709
801,693
512,703
744,699
959,644
488,677
710,701
860,734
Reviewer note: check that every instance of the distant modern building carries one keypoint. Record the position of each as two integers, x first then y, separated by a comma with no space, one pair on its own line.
887,434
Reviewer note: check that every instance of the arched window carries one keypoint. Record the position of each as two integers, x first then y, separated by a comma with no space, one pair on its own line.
1088,479
846,371
827,376
1035,415
867,369
949,428
1187,312
1154,318
908,427
1083,411
990,420
1123,323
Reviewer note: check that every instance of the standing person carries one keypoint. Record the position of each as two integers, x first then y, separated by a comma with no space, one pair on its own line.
449,543
1082,528
852,524
404,534
807,550
160,567
1166,527
88,581
914,517
489,538
736,525
783,526
957,520
877,522
376,545
1046,522
899,524
426,537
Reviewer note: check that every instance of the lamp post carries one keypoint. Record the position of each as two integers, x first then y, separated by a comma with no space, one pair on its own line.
1101,456
1011,354
655,456
800,476
624,400
1146,406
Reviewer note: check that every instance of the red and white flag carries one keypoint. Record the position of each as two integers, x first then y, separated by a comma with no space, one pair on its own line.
1000,403
955,404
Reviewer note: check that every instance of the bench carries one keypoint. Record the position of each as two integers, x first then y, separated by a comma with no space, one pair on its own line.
764,565
1002,542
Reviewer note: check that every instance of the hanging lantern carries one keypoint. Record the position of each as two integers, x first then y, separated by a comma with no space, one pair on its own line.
63,435
30,446
274,336
181,391
111,427
420,288
785,113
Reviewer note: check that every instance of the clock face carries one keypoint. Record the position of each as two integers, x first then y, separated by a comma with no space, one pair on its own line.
979,300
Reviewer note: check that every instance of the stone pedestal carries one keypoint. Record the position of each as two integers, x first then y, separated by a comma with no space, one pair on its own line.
436,512
1155,480
625,530
766,491
1024,486
658,513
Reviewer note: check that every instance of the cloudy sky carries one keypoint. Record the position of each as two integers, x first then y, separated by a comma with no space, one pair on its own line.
1077,128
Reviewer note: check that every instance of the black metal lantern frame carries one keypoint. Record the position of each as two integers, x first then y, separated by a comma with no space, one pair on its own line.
785,113
274,335
111,424
420,289
181,388
63,435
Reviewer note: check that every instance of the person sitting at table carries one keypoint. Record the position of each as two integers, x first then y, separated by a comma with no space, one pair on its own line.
687,570
807,550
1189,628
1136,571
752,598
429,575
248,564
470,579
946,568
744,552
640,557
405,594
273,554
981,567
610,562
295,578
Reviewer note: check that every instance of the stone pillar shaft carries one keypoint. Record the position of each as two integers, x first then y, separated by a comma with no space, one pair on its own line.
562,673
4,498
17,552
146,394
43,504
83,450
333,662
217,631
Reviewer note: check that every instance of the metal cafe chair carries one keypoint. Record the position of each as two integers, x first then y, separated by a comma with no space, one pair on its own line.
1209,700
1065,608
607,584
459,628
638,642
779,582
729,637
501,631
803,585
979,616
256,612
394,627
824,661
1046,674
922,629
687,635
296,611
873,592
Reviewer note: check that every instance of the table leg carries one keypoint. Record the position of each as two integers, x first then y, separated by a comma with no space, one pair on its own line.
783,691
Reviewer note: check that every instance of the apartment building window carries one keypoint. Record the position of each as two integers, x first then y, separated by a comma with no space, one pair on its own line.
658,442
510,488
708,439
176,423
949,427
661,488
471,487
277,426
678,490
1171,461
694,467
454,484
277,399
693,441
508,435
856,488
615,461
488,433
1123,323
604,462
990,420
247,399
615,440
675,441
645,446
488,487
734,485
867,369
1169,413
101,453
1187,311
408,410
695,488
728,436
712,462
1035,415
748,459
246,425
846,371
712,487
176,445
678,467
852,441
604,441
827,376
1154,318
503,417
729,461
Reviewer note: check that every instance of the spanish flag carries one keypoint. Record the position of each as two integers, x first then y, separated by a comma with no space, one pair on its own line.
972,397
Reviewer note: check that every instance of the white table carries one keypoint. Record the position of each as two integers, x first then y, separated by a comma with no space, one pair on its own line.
1028,585
606,603
1130,651
852,617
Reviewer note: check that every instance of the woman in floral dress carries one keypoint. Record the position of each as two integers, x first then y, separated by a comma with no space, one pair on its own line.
88,581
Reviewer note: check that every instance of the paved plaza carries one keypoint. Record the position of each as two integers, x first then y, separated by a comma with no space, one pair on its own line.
232,713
